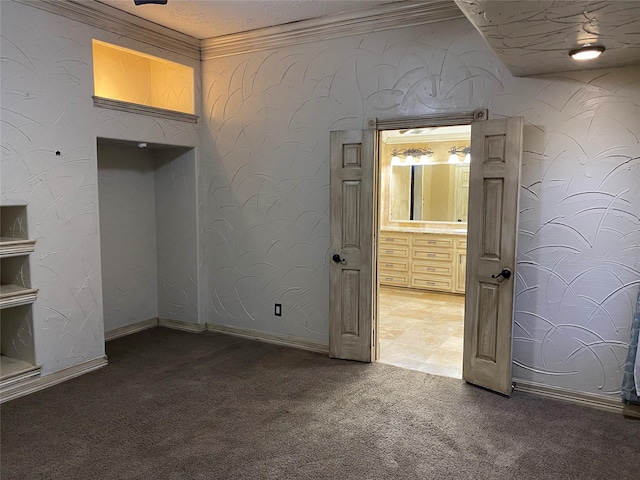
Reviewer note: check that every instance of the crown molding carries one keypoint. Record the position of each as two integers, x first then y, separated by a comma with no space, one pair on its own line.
121,23
385,17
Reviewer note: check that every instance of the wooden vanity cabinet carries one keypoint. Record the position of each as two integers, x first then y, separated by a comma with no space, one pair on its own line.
431,262
393,259
422,260
460,265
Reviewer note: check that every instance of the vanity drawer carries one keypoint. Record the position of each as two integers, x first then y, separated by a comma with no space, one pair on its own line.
461,244
390,263
431,241
431,283
428,254
394,239
420,267
387,277
394,251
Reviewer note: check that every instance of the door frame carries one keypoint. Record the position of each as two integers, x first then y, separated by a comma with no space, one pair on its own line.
444,120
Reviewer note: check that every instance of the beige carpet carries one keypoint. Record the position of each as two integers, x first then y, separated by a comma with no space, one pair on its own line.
177,405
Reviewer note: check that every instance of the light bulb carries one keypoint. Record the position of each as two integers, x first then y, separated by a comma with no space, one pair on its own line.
588,52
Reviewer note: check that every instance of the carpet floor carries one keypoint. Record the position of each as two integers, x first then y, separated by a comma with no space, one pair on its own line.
177,405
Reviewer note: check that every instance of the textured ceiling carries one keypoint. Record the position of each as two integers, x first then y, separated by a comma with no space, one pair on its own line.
213,18
534,37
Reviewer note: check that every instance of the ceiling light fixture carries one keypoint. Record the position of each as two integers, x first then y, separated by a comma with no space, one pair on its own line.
587,52
145,2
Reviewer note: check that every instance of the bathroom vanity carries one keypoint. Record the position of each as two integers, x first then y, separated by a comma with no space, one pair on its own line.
423,258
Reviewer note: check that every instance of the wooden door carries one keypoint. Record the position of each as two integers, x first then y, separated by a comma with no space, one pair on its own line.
352,279
496,150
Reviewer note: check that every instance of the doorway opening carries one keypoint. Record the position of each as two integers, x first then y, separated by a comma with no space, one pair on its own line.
422,231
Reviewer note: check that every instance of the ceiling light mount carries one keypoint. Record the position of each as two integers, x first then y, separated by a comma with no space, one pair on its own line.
587,52
145,2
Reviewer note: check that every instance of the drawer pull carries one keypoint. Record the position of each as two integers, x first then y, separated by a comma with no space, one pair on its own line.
432,242
431,269
388,278
431,254
388,264
390,239
389,251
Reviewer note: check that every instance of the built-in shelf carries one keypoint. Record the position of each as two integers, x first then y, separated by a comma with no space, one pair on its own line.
17,350
13,370
11,247
16,295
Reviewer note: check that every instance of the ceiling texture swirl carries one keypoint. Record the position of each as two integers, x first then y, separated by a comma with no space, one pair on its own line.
530,37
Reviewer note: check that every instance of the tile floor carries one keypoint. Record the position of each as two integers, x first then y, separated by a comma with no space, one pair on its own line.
421,330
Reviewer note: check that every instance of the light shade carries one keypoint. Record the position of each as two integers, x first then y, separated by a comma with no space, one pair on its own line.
587,52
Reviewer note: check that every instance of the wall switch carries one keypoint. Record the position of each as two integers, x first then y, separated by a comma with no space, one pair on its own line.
278,310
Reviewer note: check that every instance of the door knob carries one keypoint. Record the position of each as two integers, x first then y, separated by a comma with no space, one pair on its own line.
506,273
338,259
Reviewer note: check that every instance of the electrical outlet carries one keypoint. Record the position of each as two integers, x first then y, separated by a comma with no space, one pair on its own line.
278,310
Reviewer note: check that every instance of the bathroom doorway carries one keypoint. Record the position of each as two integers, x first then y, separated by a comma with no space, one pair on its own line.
422,232
488,252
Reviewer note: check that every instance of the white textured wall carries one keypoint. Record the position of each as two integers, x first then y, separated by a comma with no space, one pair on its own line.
126,185
177,235
264,181
266,147
46,106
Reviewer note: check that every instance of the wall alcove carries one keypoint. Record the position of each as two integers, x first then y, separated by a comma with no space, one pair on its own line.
148,233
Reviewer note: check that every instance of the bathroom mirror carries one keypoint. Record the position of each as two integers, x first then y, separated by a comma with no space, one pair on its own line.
429,193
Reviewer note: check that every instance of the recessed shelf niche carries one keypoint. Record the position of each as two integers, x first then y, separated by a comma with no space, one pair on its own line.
17,359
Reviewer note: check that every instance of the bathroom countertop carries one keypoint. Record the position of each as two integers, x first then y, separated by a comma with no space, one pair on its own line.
438,230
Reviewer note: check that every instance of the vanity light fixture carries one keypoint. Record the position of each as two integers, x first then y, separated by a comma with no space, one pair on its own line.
458,153
411,156
586,52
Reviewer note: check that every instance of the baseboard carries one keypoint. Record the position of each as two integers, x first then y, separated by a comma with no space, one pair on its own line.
40,383
275,338
180,325
631,411
129,329
600,402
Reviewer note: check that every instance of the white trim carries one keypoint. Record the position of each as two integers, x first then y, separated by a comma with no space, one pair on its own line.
601,402
111,19
40,383
181,325
384,17
29,296
128,107
267,337
129,329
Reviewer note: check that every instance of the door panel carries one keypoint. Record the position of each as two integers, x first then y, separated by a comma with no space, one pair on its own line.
352,274
496,151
